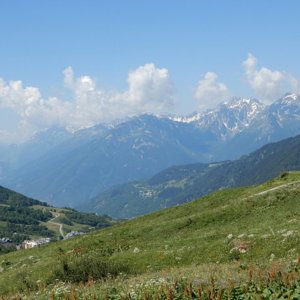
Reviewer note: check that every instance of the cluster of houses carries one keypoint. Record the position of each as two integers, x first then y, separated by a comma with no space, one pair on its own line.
6,243
5,240
34,243
27,244
73,234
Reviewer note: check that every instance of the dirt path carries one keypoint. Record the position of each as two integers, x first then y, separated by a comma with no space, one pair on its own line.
276,188
56,215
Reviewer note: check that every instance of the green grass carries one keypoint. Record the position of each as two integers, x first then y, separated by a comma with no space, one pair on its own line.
274,284
210,232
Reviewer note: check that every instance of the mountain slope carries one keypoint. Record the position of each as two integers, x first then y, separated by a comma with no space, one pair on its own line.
246,224
93,160
24,218
16,155
19,219
179,184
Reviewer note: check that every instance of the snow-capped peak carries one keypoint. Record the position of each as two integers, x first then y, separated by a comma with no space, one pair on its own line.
287,106
239,102
188,119
247,108
228,119
290,97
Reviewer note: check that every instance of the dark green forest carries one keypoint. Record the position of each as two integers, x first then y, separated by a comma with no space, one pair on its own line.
19,219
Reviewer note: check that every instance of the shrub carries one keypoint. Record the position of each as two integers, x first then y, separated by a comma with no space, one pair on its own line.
84,268
234,254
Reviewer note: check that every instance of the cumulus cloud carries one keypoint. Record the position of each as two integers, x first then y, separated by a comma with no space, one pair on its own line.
23,100
267,84
209,92
14,95
34,112
68,76
149,90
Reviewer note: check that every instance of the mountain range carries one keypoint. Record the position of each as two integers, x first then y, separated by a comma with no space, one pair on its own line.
67,168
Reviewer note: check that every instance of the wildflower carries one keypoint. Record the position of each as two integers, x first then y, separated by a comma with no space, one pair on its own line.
288,233
136,250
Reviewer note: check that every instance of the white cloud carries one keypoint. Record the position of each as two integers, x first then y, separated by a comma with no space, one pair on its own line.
149,90
267,84
209,92
34,112
13,95
68,76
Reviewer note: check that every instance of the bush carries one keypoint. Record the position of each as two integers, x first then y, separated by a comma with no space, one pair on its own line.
234,254
82,269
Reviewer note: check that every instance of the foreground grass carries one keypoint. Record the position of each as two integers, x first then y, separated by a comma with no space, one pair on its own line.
221,233
210,281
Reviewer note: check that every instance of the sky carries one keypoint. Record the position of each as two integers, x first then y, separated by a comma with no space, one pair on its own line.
78,63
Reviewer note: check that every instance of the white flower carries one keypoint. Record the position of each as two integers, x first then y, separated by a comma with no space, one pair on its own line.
136,250
288,233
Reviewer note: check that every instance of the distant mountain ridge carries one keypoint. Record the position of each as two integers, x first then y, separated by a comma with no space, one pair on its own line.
180,184
231,117
67,168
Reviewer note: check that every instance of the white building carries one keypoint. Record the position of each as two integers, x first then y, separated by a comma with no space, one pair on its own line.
27,244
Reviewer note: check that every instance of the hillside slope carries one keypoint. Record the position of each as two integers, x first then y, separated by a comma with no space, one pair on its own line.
24,218
246,224
180,184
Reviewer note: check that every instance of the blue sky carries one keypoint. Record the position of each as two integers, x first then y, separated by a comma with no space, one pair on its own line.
106,40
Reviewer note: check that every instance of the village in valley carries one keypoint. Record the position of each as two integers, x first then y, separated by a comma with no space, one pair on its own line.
8,244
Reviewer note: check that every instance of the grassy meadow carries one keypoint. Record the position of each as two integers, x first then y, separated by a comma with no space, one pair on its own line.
231,244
